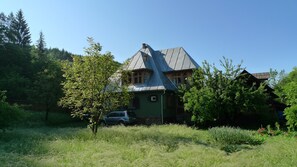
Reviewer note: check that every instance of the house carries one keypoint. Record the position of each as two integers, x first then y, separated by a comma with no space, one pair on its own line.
258,78
154,75
277,108
153,78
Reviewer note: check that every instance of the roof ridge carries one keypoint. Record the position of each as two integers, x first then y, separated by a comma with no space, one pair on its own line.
170,48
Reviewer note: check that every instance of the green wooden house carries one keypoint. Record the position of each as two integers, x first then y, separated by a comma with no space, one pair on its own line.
153,78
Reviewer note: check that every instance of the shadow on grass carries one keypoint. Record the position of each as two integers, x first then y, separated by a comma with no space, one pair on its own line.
36,119
30,136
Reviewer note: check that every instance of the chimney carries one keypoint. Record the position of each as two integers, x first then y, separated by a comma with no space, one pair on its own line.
144,45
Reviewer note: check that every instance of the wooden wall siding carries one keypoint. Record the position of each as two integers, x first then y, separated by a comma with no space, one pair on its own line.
179,77
138,77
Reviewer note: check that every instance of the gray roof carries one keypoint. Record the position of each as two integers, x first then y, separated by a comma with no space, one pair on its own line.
159,62
176,59
137,62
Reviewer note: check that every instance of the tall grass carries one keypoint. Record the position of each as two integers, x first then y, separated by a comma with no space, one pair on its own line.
166,145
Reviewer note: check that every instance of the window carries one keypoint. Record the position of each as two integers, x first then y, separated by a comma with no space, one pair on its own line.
113,114
177,80
137,77
178,77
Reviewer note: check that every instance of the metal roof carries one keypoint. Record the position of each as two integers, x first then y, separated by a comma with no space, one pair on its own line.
138,61
176,59
262,75
159,62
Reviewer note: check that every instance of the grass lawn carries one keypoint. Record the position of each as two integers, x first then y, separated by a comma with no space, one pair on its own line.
62,142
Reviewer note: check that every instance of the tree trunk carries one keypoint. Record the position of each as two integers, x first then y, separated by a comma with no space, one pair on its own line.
94,128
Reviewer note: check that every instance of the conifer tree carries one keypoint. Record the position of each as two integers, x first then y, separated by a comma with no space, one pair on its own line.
41,45
9,33
2,27
20,30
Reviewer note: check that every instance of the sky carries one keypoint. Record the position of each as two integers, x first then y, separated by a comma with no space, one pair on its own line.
262,34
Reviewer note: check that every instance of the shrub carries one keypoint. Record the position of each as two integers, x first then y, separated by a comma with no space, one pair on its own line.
9,114
291,116
233,136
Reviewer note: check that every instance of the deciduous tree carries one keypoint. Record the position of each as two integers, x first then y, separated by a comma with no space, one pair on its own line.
92,85
214,95
47,86
287,89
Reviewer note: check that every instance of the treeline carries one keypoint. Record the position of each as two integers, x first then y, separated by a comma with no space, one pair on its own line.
30,74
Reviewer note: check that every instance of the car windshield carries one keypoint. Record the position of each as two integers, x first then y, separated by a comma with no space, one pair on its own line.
131,114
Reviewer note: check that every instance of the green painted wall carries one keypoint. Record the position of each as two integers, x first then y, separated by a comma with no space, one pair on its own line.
149,109
146,107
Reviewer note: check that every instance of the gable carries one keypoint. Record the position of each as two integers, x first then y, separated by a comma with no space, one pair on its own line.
138,62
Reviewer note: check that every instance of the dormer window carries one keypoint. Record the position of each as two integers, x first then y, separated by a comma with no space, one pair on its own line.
137,77
178,77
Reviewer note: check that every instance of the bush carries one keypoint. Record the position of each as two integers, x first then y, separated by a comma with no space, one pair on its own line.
291,116
9,114
233,136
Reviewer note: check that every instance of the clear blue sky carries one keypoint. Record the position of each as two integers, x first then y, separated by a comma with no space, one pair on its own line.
261,33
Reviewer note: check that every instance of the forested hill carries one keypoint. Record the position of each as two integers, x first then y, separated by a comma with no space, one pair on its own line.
30,73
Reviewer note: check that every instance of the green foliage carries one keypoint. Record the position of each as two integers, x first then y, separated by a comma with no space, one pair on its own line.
57,54
2,96
92,85
291,116
233,136
283,82
17,87
3,28
233,139
31,75
40,44
16,72
47,89
270,131
20,29
290,89
47,86
9,114
287,90
213,95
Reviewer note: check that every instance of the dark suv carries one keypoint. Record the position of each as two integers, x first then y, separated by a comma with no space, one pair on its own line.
120,118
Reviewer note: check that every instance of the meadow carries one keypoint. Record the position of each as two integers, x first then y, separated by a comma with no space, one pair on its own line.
65,142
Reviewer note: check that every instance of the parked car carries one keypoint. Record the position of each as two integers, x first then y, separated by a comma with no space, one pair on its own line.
119,118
